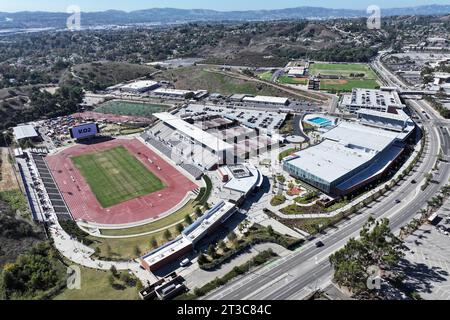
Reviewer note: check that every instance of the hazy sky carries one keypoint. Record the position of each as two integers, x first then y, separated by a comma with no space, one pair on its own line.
224,5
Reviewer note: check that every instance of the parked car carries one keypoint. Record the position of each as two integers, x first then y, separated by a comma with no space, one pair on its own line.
185,263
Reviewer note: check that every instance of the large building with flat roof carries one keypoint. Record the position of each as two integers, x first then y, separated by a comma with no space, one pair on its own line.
173,93
351,156
140,86
267,100
383,100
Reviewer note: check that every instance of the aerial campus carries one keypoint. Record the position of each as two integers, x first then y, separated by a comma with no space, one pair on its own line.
233,158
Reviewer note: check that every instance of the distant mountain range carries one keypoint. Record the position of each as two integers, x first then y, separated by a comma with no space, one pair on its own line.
25,19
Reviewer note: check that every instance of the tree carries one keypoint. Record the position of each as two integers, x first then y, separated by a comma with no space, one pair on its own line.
270,230
377,247
212,251
180,227
222,245
232,236
188,219
167,235
202,259
198,212
111,280
114,271
136,251
125,278
153,242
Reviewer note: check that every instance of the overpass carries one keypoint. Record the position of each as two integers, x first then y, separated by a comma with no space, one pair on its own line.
416,92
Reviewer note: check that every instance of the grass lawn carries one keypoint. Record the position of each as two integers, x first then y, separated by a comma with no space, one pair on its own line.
295,209
266,75
348,84
290,80
95,286
176,217
124,249
125,108
126,177
196,78
287,153
344,69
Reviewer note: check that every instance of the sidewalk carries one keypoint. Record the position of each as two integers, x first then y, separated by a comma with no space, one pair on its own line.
81,255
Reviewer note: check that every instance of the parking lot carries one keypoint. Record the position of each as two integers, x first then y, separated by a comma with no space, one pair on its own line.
427,263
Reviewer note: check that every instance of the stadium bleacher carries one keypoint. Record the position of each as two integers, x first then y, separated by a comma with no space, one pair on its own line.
181,149
56,199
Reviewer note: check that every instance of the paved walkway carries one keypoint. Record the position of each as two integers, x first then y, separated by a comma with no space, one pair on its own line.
82,255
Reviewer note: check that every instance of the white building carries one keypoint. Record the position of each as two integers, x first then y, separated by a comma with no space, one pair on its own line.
296,72
351,156
267,100
174,93
25,132
383,100
139,86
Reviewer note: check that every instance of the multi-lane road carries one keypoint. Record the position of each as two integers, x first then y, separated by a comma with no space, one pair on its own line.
301,272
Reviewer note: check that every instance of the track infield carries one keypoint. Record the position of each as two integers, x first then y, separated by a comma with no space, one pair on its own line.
125,176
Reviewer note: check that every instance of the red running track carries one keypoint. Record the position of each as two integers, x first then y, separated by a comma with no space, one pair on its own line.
84,205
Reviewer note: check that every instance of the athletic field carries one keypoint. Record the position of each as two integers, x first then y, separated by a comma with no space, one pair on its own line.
115,176
347,73
125,108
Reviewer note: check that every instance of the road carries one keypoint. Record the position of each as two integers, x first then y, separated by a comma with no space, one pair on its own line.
303,271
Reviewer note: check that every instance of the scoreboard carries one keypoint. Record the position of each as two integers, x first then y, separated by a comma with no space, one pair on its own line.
84,131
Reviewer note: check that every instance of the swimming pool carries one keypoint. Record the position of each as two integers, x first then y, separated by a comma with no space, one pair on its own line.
321,121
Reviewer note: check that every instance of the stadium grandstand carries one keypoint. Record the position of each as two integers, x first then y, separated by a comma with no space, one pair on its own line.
188,145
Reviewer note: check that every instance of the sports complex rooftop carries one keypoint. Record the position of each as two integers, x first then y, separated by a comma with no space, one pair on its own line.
194,132
350,154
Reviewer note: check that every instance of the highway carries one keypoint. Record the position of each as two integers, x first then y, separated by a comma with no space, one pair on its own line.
307,269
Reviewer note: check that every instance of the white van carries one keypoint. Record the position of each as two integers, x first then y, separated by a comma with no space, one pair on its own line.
185,263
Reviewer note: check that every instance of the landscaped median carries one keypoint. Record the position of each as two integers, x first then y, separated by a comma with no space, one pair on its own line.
259,260
256,235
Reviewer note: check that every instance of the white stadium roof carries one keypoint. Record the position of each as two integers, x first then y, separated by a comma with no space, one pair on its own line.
24,131
194,132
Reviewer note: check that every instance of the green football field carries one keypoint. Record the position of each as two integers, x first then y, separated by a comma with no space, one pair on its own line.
116,176
342,69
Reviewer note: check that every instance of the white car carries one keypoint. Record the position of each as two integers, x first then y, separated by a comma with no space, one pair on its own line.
185,263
